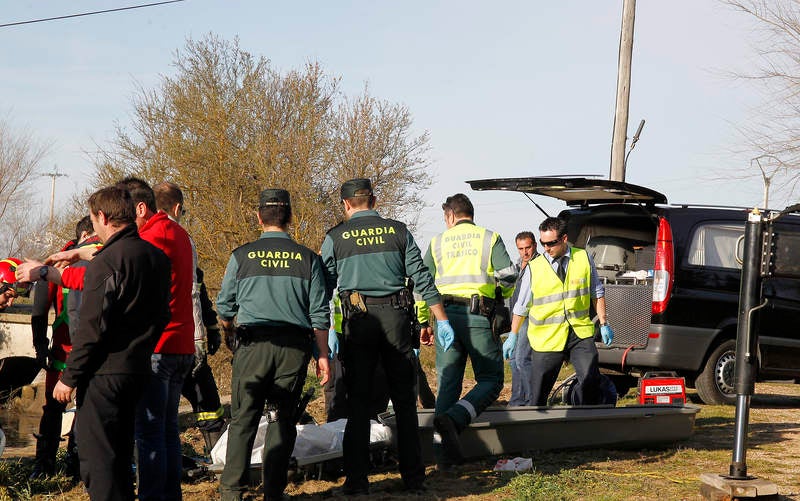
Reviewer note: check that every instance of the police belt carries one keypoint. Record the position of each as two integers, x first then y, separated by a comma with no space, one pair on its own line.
390,299
485,302
254,333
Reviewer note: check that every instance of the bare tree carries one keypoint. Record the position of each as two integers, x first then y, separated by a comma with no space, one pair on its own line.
227,125
772,139
23,228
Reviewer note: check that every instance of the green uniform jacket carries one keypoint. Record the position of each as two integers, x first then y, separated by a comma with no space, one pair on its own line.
274,281
373,256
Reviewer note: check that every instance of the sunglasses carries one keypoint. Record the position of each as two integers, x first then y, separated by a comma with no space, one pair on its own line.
551,243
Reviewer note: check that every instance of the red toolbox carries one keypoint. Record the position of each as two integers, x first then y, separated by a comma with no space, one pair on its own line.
659,388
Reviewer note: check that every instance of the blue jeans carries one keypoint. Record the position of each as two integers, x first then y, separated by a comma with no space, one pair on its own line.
157,437
521,366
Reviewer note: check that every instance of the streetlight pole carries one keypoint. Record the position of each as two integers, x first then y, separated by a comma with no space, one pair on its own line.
766,178
53,175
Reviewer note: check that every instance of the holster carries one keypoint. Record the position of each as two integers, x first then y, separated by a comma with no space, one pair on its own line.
406,301
500,319
232,341
353,304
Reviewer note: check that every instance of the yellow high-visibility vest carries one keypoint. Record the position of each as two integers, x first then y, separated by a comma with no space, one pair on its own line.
462,256
556,305
337,312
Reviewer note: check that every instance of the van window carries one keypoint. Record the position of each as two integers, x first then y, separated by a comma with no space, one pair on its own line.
715,245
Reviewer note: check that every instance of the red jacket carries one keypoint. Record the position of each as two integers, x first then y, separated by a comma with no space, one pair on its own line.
172,239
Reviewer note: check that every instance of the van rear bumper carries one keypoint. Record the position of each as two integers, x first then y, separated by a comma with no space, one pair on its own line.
669,347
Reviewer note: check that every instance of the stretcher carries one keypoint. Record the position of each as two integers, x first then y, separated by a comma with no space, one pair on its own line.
517,430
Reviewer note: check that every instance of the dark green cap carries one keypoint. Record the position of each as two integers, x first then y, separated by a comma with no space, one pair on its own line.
274,196
353,186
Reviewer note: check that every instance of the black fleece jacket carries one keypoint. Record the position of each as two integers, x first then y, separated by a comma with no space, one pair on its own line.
125,308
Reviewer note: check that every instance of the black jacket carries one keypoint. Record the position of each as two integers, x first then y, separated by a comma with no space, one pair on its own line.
125,308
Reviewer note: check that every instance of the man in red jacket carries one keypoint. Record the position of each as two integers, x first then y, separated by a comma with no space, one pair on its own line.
157,433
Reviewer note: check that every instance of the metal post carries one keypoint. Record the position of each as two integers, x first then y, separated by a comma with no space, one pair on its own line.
746,355
617,170
53,175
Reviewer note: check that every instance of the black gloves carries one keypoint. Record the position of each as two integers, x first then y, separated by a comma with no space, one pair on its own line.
213,338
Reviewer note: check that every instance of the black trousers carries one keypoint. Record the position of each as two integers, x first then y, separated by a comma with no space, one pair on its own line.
382,334
269,371
50,426
336,393
200,389
582,354
104,428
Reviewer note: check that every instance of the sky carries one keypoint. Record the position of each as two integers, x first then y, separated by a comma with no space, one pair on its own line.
505,89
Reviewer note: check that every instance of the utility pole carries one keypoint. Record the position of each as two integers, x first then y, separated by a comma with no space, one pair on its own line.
53,175
617,171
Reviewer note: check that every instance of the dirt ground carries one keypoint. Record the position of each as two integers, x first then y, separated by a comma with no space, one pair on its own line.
773,453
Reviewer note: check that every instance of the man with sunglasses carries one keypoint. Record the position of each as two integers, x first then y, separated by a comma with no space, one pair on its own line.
556,300
470,265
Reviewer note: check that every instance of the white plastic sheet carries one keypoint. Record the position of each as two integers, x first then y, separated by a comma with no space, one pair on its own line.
312,440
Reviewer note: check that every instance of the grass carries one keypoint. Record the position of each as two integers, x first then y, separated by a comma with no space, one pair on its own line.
671,472
15,484
668,472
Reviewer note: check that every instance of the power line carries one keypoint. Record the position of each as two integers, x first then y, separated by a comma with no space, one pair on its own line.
89,13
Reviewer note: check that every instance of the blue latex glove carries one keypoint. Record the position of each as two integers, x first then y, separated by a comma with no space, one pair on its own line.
333,343
445,334
416,352
607,334
508,345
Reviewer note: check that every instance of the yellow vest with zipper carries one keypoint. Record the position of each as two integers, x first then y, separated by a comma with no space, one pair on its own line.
462,256
556,305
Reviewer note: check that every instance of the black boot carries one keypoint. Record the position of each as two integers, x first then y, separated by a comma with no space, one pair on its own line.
72,466
211,431
45,464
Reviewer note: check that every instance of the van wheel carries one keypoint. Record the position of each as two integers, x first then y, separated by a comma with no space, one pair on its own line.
715,385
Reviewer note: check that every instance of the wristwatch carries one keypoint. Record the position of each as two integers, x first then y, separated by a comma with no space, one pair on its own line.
43,272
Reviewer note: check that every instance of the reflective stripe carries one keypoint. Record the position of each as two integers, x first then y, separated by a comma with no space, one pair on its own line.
568,294
436,252
209,416
556,319
464,279
59,365
469,407
578,314
488,239
507,276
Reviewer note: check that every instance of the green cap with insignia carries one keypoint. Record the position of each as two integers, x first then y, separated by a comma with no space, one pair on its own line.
352,188
273,196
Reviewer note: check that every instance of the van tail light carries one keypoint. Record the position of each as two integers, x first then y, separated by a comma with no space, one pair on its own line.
664,267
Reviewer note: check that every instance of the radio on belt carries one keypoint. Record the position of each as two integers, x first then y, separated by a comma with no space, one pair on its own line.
662,388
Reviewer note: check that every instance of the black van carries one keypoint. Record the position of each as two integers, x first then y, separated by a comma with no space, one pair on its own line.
672,275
